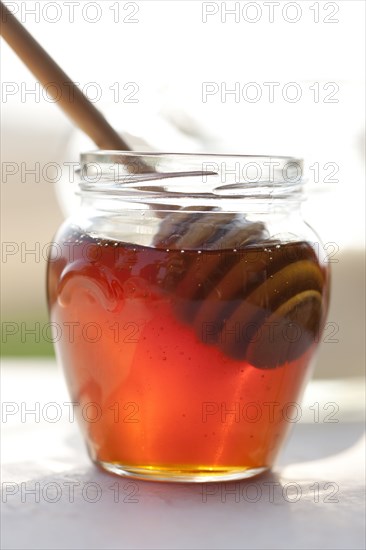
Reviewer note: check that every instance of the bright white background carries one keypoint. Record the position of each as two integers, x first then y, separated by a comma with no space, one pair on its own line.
168,54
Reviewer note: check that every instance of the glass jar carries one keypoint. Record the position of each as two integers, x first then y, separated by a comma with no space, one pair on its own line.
189,296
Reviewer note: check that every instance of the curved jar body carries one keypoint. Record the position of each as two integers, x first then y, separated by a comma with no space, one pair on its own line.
191,298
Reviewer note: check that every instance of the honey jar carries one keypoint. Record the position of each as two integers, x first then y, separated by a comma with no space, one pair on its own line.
191,298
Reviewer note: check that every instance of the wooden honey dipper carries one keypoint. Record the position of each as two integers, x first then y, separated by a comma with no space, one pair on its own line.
262,304
218,293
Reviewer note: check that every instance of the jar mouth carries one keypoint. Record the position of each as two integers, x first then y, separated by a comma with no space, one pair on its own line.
196,175
158,154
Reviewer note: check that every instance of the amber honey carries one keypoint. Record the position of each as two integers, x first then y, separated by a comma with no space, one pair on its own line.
185,362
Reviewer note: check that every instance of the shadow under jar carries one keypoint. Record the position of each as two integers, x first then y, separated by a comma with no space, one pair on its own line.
189,297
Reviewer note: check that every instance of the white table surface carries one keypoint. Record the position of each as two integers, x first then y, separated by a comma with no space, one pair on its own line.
54,498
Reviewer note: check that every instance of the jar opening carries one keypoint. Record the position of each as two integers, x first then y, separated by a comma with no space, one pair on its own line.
173,175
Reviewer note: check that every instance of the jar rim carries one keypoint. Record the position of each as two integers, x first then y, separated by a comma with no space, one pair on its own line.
100,153
200,175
